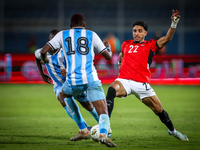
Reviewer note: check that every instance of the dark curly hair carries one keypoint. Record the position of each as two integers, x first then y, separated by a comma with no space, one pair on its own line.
141,23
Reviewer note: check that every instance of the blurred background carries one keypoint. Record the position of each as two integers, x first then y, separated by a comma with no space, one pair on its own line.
27,23
25,27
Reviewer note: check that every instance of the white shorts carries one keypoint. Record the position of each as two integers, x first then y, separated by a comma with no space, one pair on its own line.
139,89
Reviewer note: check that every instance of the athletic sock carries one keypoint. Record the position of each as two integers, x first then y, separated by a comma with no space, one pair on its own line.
94,114
104,123
164,117
74,112
111,94
173,132
66,109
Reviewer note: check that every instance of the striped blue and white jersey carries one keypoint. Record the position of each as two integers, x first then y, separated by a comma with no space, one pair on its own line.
78,45
56,62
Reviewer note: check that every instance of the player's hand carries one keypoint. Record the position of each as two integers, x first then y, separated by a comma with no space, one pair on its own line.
106,44
42,62
119,66
175,16
47,79
63,72
108,47
46,60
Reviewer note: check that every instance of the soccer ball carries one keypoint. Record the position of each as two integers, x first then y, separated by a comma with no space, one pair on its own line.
95,131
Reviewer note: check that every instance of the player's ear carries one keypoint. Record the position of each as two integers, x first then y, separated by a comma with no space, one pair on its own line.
145,33
83,24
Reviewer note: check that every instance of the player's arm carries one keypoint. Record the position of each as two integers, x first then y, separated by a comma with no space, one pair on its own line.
102,47
44,51
120,59
39,63
107,54
165,39
53,45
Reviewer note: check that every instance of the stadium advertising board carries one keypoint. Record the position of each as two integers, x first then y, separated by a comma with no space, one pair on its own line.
165,69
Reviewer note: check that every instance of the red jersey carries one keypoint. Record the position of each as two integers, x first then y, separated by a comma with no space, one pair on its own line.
136,60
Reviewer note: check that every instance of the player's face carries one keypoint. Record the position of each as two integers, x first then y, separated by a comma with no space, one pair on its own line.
139,33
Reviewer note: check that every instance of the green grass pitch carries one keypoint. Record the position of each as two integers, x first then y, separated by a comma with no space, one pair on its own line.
31,118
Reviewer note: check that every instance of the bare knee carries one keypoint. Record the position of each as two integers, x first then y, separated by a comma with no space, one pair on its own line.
119,88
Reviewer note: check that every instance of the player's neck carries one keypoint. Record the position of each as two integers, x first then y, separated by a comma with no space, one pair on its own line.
138,42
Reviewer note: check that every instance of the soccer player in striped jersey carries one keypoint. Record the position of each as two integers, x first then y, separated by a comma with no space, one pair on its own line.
134,74
54,66
78,45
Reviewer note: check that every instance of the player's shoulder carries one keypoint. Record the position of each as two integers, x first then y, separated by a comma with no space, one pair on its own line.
90,31
127,42
38,50
150,41
37,53
62,31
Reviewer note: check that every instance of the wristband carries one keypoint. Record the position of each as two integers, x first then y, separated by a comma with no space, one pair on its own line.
108,48
175,22
110,52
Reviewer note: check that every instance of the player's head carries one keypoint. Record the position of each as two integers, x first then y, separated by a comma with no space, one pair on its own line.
52,34
77,20
139,31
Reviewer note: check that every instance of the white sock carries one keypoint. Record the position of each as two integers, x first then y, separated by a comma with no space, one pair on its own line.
173,132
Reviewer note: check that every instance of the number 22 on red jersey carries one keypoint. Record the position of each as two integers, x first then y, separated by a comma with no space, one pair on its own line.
133,49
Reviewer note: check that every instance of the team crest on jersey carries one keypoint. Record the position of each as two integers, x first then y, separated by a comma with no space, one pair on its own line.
61,59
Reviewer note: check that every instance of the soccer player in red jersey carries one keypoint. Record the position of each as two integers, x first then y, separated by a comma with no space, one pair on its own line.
134,74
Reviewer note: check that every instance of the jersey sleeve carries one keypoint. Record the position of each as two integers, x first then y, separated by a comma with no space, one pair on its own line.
122,46
38,54
153,45
98,44
56,41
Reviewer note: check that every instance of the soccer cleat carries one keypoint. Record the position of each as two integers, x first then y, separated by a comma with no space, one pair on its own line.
105,140
109,133
81,136
89,128
179,135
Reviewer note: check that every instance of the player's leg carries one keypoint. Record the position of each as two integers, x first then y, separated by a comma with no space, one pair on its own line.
150,99
146,94
82,99
60,97
116,89
74,111
96,94
119,88
155,105
104,122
